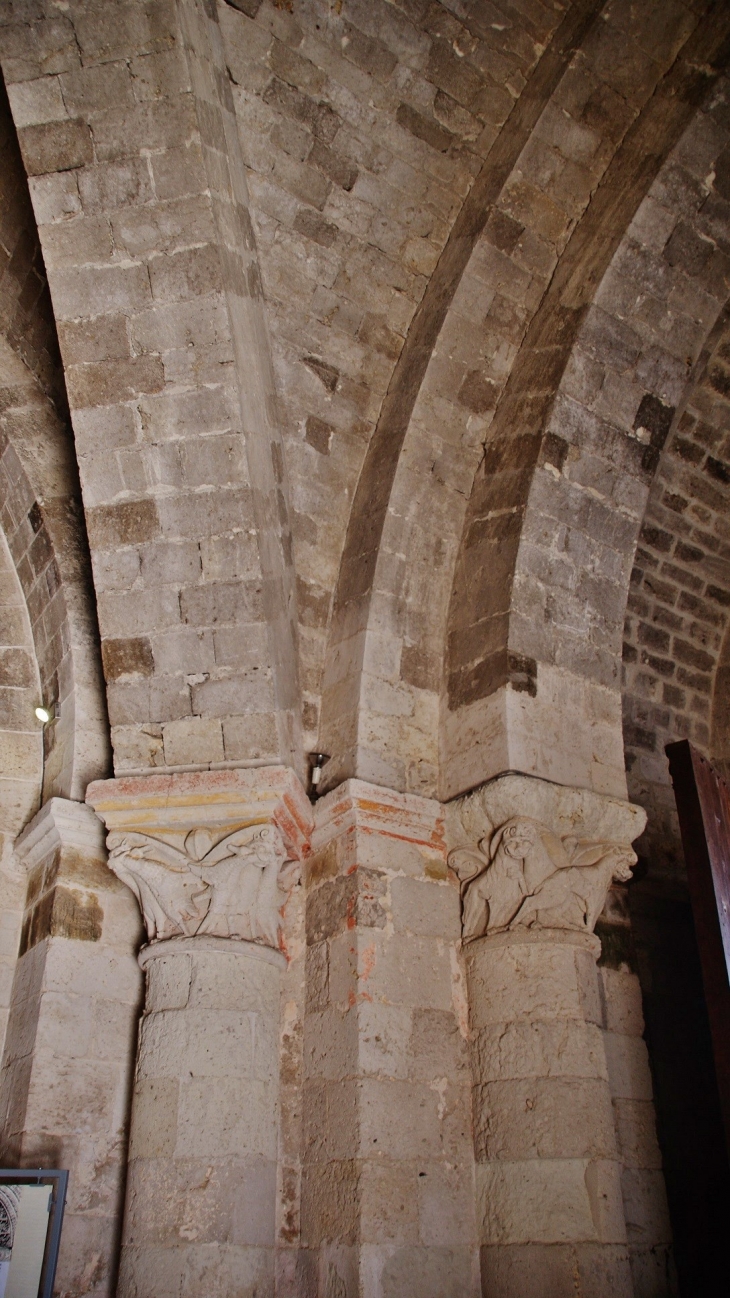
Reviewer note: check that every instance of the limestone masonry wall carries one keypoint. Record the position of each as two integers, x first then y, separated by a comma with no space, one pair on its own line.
364,387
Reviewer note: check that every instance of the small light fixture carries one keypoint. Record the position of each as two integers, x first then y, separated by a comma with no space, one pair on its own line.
45,713
317,761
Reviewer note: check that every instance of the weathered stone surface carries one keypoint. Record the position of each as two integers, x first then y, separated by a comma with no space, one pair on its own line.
380,325
386,1087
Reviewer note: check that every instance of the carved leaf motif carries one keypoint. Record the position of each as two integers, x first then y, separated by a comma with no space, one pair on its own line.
231,888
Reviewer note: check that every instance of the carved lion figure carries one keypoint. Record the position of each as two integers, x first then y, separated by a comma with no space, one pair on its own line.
525,875
522,854
574,898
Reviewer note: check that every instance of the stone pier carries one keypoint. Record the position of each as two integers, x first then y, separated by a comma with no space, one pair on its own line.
68,1058
387,1178
211,858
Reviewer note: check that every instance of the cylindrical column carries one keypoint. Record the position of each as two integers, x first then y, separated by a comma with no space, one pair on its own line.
550,1210
202,1162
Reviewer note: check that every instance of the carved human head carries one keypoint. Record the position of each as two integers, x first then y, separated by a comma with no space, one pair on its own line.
269,844
521,836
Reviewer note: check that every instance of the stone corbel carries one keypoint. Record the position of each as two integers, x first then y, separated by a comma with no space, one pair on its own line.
534,855
209,853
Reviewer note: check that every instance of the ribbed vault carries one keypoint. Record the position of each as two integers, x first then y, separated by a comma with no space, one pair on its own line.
485,403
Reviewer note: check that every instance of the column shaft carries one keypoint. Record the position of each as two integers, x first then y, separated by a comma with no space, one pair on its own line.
203,1145
548,1169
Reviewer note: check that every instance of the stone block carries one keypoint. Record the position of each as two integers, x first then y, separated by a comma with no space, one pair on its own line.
137,747
628,1067
123,132
407,971
154,1131
330,1120
636,1133
55,196
540,1049
437,1046
78,966
94,89
85,291
193,741
622,993
61,1092
105,339
330,1202
110,381
179,172
186,274
254,736
250,691
557,1117
384,1040
40,100
175,414
64,1025
244,980
205,1043
425,908
87,1237
110,427
653,1272
388,1203
114,1026
446,1203
331,1043
536,1201
400,1118
55,146
534,981
128,523
419,1272
645,1206
159,75
110,186
230,1112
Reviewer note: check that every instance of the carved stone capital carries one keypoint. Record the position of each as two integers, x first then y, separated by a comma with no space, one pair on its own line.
207,853
535,855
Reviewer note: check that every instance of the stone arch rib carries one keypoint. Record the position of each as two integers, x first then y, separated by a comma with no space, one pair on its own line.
478,665
370,504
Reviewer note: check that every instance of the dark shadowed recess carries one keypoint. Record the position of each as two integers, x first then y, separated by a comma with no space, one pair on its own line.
689,1119
478,664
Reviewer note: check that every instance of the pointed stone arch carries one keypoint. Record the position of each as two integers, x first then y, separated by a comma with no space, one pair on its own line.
40,507
535,267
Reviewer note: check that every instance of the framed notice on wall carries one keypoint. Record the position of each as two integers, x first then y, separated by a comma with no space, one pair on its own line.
31,1215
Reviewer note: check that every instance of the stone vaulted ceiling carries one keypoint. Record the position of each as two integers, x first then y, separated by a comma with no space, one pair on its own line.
374,320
